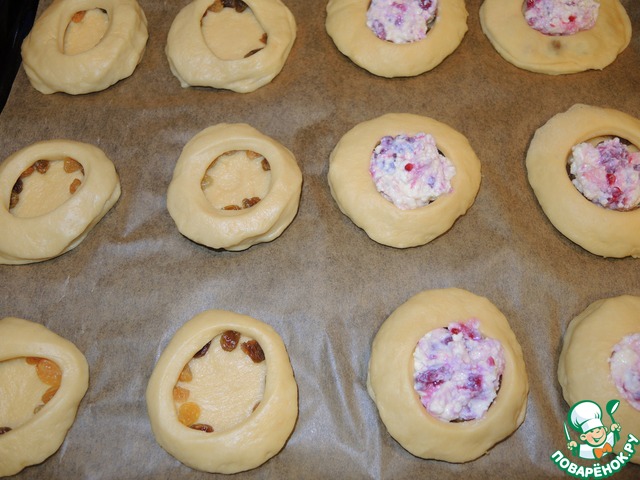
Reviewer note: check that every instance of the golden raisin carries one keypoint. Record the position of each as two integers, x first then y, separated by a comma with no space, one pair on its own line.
203,427
264,37
71,165
186,375
48,395
188,413
27,172
74,185
49,372
253,349
216,6
203,351
232,207
250,202
180,394
265,165
253,155
229,340
33,360
41,166
78,16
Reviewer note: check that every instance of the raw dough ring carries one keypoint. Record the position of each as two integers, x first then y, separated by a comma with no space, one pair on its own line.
200,221
252,442
194,64
583,368
346,24
34,239
355,192
390,378
599,230
115,57
504,24
41,436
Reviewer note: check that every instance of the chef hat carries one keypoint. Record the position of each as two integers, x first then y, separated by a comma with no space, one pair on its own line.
585,416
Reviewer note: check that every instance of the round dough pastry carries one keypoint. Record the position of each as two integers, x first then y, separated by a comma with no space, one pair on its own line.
583,369
354,190
504,24
390,378
194,64
34,239
601,231
252,442
346,24
200,221
115,57
41,436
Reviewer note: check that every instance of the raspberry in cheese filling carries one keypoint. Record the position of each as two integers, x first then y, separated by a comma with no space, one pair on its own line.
457,371
625,368
561,17
608,174
401,21
409,171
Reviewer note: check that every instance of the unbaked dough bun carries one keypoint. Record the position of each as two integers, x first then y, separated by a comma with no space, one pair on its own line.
355,192
194,64
504,25
114,58
34,239
391,385
601,231
583,368
197,219
253,441
346,24
41,436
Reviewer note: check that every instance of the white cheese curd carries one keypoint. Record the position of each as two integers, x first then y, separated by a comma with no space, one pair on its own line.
457,371
409,171
625,368
607,174
561,17
401,21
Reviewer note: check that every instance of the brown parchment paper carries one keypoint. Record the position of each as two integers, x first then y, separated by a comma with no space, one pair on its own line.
323,285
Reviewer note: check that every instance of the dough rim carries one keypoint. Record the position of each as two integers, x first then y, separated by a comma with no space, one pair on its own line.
604,232
43,434
346,25
252,442
194,64
355,193
591,380
504,25
40,238
114,58
390,378
233,230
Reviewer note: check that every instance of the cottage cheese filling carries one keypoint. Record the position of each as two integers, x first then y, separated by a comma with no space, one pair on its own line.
607,174
457,371
409,171
561,17
401,21
625,368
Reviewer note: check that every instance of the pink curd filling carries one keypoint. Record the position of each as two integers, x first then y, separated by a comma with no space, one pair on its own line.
625,368
409,171
457,371
607,174
561,17
401,21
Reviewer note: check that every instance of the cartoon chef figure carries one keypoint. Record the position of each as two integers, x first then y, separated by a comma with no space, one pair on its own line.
586,418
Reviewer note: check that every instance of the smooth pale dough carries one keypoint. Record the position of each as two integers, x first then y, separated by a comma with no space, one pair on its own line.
390,378
115,57
41,436
504,24
194,64
197,219
346,24
601,231
583,368
252,442
355,193
34,239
